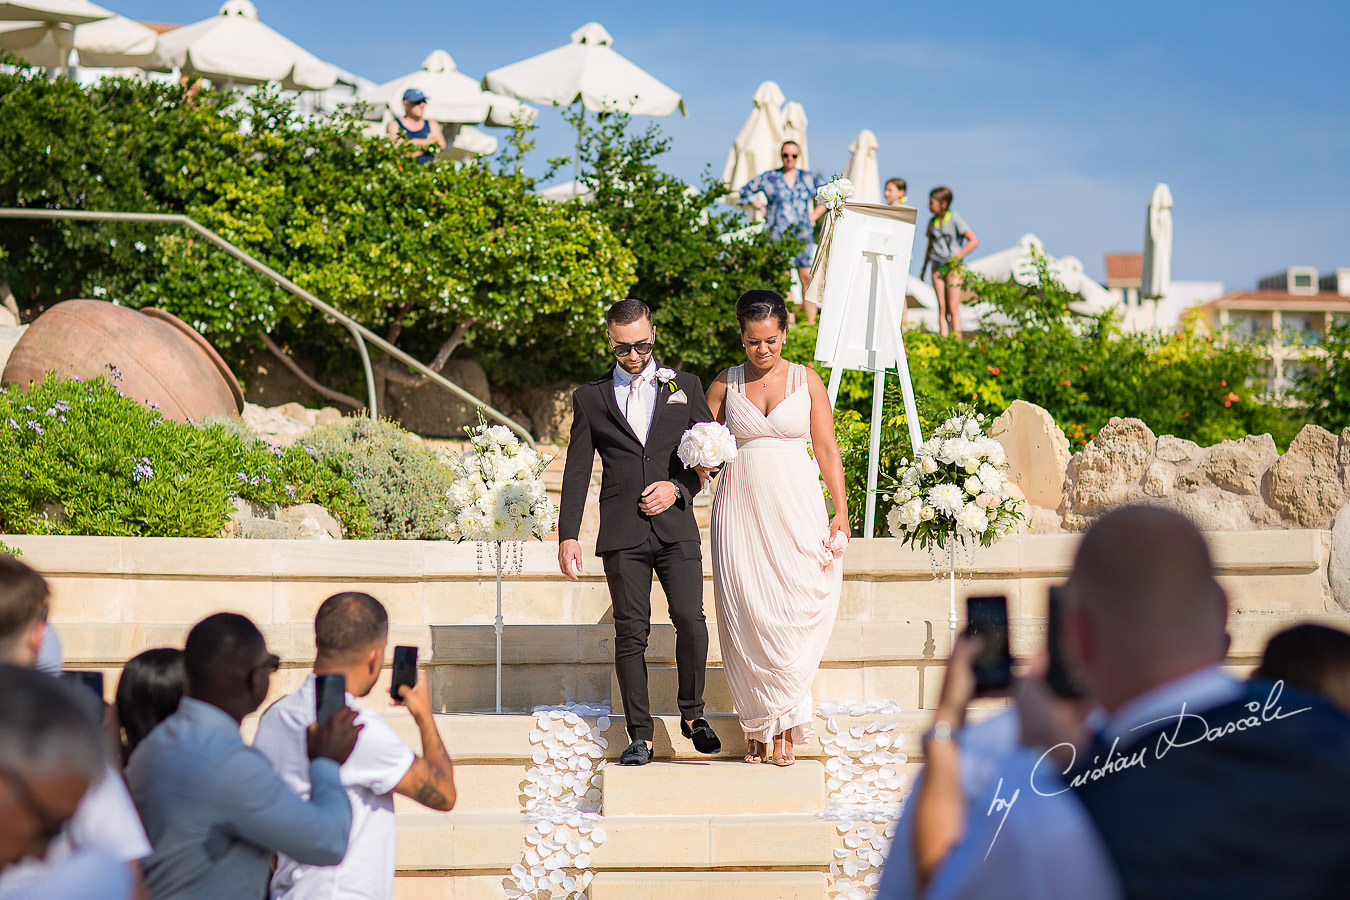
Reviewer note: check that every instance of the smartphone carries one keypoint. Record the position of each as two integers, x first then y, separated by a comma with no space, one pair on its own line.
987,618
86,677
1058,676
405,670
330,695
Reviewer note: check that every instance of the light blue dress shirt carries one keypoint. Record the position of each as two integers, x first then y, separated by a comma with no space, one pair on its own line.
215,811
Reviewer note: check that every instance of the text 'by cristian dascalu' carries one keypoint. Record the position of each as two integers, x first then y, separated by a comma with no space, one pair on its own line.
1186,729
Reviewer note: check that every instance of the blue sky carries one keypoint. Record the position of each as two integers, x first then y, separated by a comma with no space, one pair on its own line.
1045,117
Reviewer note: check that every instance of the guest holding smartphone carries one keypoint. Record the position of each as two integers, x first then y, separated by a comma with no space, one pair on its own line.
351,631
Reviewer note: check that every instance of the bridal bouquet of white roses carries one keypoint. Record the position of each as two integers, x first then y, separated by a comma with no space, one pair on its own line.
956,488
707,444
498,494
835,194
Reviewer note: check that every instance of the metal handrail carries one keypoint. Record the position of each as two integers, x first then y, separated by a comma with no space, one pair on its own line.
359,331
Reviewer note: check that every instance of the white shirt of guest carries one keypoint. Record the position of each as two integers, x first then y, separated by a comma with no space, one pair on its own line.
646,395
370,774
215,810
80,876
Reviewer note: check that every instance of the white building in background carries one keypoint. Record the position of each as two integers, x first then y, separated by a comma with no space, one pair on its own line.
1291,310
1124,275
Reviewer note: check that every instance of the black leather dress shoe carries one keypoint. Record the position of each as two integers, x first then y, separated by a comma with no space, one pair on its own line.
637,754
705,739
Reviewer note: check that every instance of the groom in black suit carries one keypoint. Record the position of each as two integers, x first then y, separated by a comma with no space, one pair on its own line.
634,416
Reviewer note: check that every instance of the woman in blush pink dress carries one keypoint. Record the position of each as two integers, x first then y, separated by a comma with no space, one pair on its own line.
776,581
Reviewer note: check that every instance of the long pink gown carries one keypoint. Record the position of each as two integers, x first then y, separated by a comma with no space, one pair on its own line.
776,601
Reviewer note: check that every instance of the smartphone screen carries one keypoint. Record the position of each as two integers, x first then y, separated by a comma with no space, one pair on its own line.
405,669
87,678
330,695
1058,676
987,618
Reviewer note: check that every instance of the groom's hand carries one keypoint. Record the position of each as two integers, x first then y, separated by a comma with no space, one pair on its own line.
658,497
569,558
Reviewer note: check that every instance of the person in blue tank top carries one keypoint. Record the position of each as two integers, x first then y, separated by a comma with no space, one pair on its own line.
413,127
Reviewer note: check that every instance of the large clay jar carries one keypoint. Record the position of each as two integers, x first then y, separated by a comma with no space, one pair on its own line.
162,361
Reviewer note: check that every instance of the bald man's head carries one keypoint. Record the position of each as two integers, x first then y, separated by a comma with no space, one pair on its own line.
1146,603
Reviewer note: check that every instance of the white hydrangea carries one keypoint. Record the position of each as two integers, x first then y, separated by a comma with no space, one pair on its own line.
498,493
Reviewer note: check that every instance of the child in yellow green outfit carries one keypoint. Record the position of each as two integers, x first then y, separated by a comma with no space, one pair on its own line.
949,241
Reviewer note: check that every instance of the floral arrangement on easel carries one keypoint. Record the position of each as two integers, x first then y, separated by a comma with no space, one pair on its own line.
499,494
955,489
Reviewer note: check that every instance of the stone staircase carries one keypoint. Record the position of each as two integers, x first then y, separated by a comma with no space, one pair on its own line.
688,825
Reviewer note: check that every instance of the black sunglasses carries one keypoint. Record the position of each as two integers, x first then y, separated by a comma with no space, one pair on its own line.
642,347
49,825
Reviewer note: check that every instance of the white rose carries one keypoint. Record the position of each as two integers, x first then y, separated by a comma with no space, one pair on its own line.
973,485
971,430
927,513
929,465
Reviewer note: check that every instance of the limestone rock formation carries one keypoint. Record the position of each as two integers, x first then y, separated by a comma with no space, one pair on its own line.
281,425
309,522
1338,568
1304,485
1038,452
1235,466
1212,509
1105,472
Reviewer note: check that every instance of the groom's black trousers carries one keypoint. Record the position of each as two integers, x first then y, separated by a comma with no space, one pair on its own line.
679,568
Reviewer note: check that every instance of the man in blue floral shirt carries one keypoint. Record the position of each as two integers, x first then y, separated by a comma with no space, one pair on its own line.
791,209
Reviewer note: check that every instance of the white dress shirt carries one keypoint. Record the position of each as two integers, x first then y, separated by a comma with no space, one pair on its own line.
215,811
370,774
83,875
646,395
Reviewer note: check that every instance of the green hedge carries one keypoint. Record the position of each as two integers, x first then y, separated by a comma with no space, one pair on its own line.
83,459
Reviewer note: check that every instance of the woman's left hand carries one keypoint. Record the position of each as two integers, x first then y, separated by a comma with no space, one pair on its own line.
840,523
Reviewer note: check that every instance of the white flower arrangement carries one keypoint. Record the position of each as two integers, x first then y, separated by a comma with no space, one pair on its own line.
956,488
835,194
498,494
707,444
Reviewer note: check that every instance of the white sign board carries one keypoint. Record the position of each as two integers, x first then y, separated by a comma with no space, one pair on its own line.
869,256
865,276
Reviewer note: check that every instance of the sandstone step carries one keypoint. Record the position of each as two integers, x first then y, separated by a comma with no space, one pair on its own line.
493,842
688,788
708,885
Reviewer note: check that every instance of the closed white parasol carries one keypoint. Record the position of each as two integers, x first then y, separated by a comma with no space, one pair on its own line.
234,47
1157,274
757,144
862,168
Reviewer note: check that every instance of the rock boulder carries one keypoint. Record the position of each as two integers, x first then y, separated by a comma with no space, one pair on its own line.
309,522
1304,485
1235,466
1212,509
1338,569
1038,452
1109,468
550,411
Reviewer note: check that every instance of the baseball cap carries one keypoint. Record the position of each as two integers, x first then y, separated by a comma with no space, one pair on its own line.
413,95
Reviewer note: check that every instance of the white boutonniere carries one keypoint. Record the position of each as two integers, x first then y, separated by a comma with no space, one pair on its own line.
666,377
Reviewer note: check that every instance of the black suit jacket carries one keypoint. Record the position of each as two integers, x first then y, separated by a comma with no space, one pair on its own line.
599,426
1262,812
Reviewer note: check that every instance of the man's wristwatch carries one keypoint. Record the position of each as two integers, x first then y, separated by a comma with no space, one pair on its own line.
941,732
